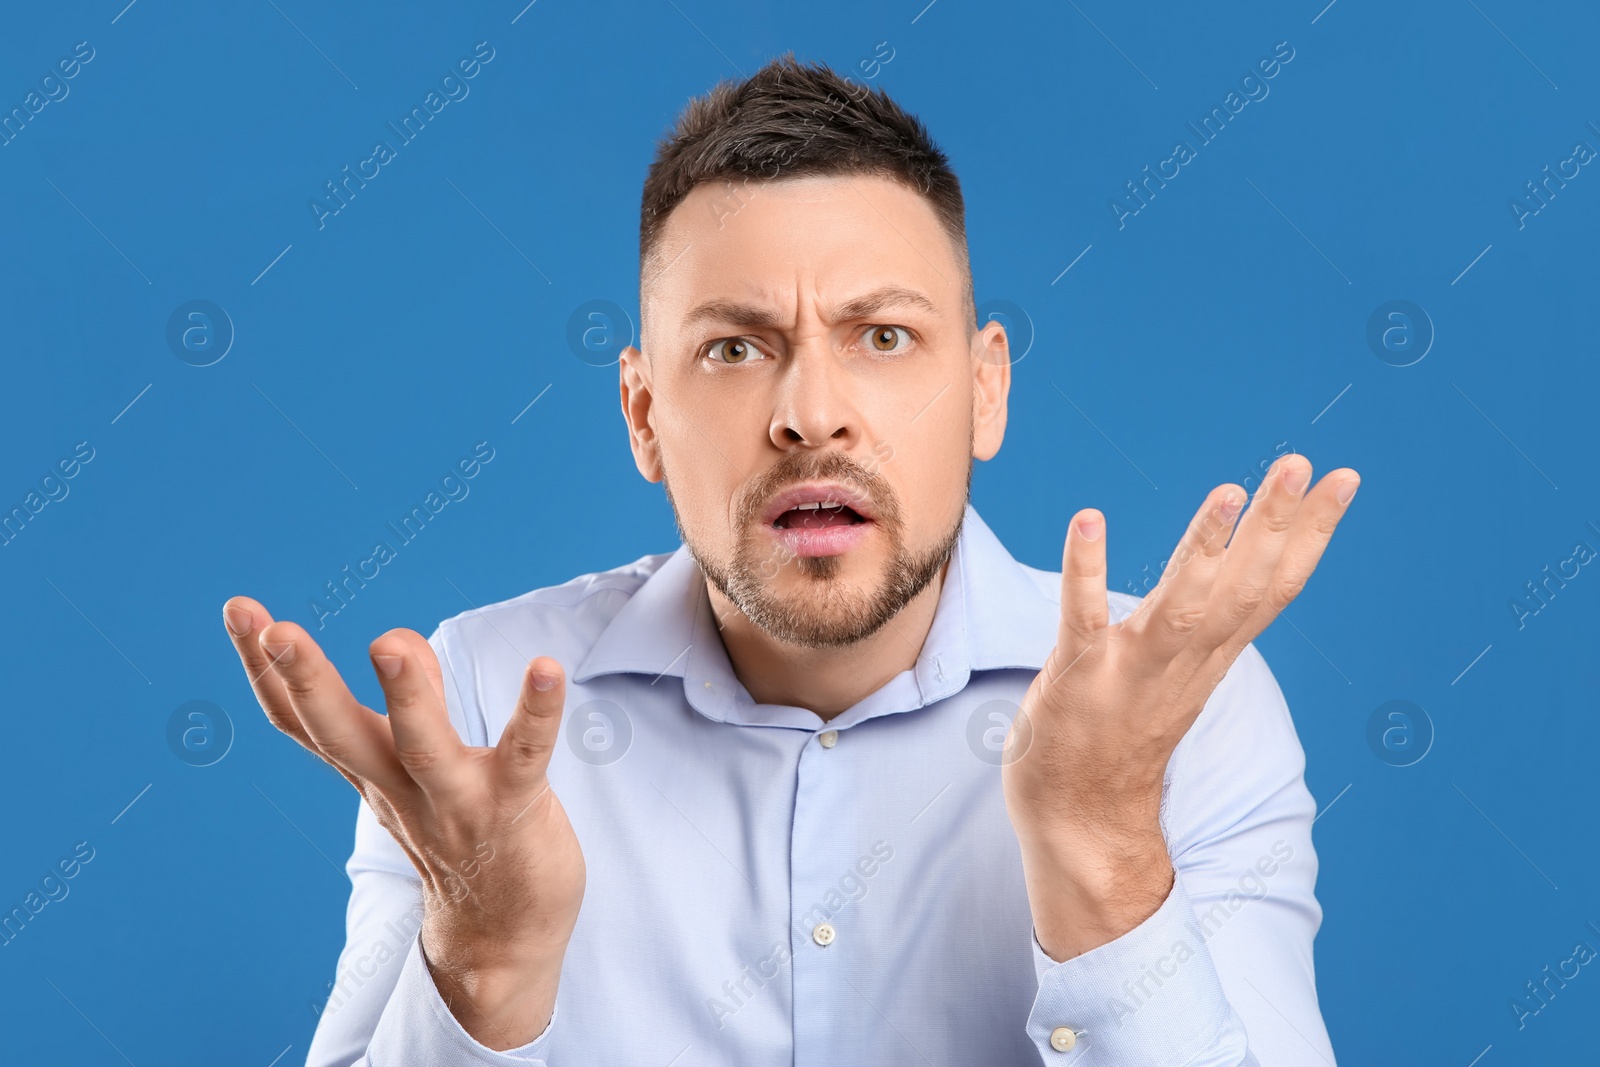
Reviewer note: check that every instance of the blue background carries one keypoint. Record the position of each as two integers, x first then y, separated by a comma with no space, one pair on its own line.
1180,350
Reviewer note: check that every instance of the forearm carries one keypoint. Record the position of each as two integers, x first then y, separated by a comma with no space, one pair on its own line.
422,1023
1240,911
503,996
1090,884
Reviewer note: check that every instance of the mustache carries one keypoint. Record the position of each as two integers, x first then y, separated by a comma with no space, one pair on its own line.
795,467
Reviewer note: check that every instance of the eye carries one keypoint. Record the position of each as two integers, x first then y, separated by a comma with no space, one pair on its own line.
734,350
888,340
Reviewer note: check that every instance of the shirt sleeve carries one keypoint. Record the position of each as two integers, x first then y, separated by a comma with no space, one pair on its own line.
383,1008
1222,973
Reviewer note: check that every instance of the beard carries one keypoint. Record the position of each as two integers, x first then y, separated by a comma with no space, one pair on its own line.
825,611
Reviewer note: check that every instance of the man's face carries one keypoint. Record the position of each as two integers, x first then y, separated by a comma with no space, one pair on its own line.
813,397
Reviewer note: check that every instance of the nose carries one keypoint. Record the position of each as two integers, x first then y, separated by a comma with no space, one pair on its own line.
816,402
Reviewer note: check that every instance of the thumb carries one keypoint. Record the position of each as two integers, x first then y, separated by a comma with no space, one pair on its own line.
523,751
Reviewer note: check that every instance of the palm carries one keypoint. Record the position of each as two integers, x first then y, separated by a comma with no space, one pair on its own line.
1100,721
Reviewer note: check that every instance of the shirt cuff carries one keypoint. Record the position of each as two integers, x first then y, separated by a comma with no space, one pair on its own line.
417,1027
1151,996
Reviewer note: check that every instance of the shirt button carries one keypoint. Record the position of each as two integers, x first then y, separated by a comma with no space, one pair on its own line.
823,934
828,738
1063,1039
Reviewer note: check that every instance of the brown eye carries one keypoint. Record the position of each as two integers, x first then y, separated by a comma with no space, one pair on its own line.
733,350
888,338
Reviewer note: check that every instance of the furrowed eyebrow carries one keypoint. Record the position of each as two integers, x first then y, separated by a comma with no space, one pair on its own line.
890,296
756,315
732,311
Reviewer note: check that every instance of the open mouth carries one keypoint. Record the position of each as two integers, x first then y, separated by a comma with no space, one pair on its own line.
818,515
819,519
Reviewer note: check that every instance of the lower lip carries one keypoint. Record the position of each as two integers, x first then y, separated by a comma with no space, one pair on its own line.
824,541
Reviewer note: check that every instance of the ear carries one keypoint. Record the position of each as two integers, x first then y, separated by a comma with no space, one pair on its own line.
991,385
633,374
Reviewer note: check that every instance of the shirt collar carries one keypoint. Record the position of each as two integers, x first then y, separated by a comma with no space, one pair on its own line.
993,613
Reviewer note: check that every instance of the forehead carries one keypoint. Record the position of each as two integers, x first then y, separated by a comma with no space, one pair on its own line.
829,239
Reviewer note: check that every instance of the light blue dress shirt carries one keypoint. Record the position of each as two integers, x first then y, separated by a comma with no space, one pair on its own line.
765,888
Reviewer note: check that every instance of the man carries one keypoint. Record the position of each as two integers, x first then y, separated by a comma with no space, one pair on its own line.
839,781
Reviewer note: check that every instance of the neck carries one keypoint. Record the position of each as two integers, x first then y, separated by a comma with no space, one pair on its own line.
825,681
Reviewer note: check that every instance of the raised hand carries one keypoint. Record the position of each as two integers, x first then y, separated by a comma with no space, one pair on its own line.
1114,700
502,874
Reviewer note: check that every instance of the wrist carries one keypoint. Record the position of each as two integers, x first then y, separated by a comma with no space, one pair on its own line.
501,990
1085,893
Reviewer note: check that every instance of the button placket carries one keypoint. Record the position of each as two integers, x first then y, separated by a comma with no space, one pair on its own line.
823,819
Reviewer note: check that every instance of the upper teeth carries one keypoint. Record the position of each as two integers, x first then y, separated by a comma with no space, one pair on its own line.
819,504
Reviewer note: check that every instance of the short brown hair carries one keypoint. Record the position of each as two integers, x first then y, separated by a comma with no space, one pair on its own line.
789,120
